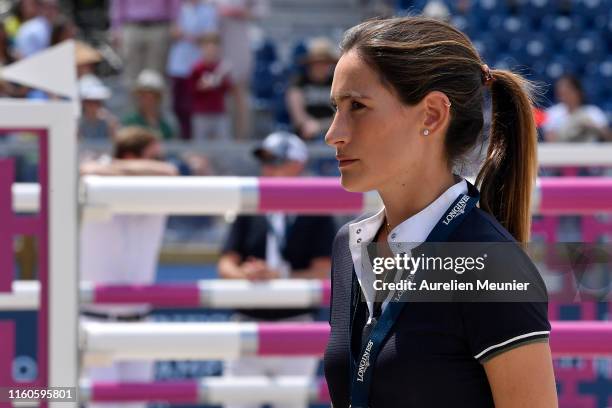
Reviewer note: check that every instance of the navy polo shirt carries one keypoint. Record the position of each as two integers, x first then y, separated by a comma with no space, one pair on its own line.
307,238
434,353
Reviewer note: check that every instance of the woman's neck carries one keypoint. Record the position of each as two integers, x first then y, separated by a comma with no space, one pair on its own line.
407,197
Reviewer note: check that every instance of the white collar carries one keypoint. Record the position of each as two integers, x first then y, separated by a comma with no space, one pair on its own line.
405,236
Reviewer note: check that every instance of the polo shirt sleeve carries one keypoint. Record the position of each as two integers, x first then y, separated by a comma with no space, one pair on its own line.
495,327
235,238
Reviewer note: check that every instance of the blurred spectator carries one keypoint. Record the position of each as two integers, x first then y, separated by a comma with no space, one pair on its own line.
8,89
308,95
62,29
148,94
136,151
277,246
22,11
35,34
86,58
195,19
141,30
123,250
236,18
463,7
210,82
6,57
96,122
572,120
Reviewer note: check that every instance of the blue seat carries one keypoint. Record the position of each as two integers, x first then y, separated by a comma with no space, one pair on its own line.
560,65
505,28
486,47
605,72
266,53
587,47
590,9
536,10
490,7
299,51
560,28
517,47
594,89
538,47
263,84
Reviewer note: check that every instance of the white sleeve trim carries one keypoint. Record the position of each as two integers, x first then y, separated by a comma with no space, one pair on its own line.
522,336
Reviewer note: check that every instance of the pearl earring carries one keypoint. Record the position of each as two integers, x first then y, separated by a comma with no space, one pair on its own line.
426,132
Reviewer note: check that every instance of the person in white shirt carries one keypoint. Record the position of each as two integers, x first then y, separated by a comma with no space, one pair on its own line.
124,249
571,120
35,34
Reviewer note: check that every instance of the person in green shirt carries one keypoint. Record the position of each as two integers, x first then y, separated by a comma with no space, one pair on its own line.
148,94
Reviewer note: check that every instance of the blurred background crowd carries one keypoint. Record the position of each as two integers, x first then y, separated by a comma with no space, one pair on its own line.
212,77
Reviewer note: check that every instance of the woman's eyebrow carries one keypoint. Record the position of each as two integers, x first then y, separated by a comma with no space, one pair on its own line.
349,94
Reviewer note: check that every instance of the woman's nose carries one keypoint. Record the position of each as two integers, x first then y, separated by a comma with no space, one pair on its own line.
336,134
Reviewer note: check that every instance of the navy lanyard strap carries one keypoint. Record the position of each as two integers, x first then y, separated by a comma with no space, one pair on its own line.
361,373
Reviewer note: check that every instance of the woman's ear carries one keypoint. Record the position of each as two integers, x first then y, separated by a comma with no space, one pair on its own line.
437,111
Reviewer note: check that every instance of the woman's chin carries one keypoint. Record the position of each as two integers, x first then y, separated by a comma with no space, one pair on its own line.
353,184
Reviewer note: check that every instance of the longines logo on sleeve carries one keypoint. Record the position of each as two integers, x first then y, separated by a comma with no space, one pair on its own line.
457,210
365,362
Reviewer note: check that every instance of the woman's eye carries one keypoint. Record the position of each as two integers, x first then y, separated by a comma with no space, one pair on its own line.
356,105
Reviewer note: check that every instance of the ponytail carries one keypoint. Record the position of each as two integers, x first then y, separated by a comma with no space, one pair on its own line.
507,176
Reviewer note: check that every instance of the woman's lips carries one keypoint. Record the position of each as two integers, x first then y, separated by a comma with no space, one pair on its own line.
346,162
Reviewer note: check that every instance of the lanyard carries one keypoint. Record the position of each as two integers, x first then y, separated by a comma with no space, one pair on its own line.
361,370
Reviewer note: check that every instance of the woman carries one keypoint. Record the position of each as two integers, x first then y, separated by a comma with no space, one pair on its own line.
408,94
308,95
572,119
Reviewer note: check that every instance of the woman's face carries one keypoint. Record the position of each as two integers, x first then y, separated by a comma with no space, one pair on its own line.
376,137
567,93
28,9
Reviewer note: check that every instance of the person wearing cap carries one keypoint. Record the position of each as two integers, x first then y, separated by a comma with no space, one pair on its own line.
277,246
96,122
148,95
308,95
86,58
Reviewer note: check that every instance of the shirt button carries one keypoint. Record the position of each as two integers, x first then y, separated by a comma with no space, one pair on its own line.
358,240
358,230
393,235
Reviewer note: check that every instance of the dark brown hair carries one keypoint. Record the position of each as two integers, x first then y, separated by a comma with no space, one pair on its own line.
133,140
416,55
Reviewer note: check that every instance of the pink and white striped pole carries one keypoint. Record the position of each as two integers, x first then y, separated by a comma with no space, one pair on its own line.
211,391
316,195
147,341
210,293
